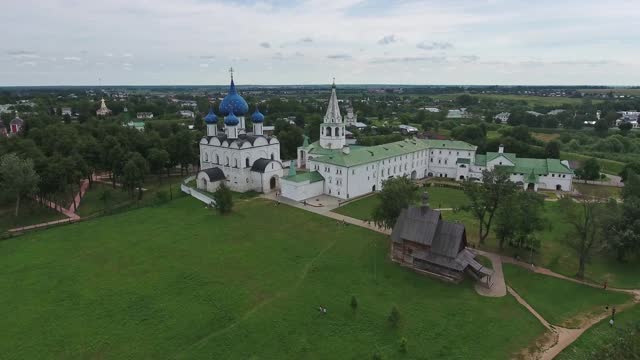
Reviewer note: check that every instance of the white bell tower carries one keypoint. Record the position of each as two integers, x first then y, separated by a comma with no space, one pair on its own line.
332,130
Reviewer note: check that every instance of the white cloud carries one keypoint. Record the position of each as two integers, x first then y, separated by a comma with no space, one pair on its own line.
388,39
72,58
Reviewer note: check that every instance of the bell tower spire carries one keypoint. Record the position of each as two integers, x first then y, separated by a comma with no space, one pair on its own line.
332,129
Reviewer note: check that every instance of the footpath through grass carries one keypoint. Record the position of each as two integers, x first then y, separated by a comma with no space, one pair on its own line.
601,336
179,281
557,300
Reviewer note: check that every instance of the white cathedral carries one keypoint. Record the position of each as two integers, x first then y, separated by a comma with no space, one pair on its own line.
246,161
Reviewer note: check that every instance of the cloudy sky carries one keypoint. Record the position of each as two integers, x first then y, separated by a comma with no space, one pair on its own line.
91,42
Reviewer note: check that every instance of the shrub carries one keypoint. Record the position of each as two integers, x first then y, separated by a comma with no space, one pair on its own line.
224,199
354,303
394,316
403,345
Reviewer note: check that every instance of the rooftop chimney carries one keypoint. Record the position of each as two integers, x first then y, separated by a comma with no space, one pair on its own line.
501,149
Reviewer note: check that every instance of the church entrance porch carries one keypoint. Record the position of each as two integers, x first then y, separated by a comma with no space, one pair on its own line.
531,187
273,183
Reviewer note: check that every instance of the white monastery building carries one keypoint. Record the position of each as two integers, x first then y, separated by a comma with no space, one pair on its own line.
337,169
245,161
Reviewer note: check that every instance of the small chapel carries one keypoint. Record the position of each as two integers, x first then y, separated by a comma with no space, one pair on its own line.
244,160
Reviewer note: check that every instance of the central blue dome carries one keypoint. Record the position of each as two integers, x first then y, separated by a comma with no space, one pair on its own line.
211,117
233,103
257,116
231,120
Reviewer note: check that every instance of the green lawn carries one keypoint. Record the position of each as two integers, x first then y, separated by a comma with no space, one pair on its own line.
599,191
439,197
179,281
607,166
30,213
600,335
557,300
530,100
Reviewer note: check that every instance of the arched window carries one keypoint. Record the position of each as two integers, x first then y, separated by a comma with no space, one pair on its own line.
206,157
236,162
337,131
217,159
246,162
328,131
227,161
272,156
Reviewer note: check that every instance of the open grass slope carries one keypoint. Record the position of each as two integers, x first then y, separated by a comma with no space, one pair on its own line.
179,281
529,99
600,335
557,300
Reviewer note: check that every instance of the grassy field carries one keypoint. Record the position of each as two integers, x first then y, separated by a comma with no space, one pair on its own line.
604,192
616,91
606,166
600,335
530,100
557,300
361,208
30,213
545,137
179,281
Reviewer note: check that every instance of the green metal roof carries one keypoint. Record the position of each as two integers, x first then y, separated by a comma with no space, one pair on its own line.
494,155
312,177
363,155
480,160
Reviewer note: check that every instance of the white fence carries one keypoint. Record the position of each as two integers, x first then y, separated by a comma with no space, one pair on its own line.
195,193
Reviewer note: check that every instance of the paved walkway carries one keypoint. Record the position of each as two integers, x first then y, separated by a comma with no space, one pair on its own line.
499,287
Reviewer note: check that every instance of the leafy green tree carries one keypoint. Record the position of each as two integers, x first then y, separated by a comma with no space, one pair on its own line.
312,128
630,167
586,229
625,127
224,199
601,127
105,196
158,160
397,194
290,137
17,178
590,170
486,197
552,150
134,173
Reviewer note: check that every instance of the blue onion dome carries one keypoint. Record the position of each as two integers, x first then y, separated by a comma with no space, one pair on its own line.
257,116
231,120
211,117
233,102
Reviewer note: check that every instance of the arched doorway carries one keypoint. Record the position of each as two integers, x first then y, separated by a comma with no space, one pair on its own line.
430,174
204,184
373,188
414,175
559,187
273,182
531,187
461,177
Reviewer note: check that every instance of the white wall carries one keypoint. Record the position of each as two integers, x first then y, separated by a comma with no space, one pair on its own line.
299,191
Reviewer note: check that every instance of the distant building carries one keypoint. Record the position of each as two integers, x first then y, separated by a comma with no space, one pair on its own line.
66,111
360,125
534,113
104,110
408,130
187,114
458,113
431,109
144,115
189,104
424,242
6,108
16,125
630,117
350,119
556,112
503,117
138,125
